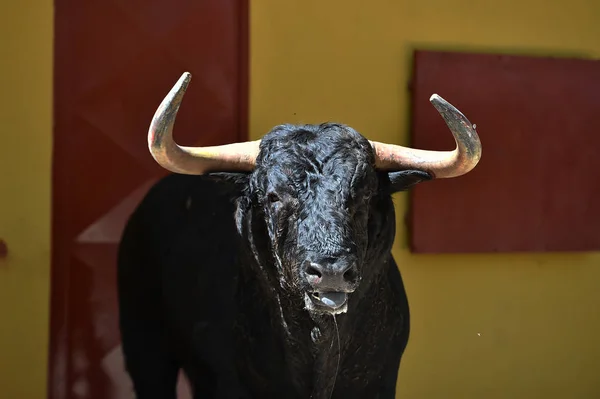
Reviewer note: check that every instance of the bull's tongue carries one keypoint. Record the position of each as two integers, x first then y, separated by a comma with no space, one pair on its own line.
333,299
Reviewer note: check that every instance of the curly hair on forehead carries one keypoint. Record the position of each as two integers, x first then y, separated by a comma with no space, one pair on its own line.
304,160
317,144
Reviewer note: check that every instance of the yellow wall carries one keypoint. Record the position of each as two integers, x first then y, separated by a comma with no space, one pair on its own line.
25,152
485,326
503,326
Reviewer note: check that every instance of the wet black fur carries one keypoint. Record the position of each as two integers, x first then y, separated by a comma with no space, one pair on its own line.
210,280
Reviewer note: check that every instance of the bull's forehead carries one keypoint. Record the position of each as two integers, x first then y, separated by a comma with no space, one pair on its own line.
327,148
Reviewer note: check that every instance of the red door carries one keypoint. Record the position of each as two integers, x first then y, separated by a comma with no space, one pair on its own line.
114,62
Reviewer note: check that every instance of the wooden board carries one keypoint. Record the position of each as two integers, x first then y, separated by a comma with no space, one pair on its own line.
536,188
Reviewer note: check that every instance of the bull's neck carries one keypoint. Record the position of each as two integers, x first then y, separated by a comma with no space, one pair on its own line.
317,338
311,343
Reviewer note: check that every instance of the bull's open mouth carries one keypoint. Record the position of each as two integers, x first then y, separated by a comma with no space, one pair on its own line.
327,302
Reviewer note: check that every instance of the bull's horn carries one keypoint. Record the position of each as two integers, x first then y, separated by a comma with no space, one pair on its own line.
193,160
441,164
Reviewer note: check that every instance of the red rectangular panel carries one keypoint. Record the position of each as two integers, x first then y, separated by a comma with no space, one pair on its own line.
114,63
536,187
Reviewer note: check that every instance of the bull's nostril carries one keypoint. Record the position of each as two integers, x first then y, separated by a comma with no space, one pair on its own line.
313,270
350,275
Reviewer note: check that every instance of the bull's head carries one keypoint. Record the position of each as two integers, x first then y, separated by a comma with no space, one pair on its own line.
317,198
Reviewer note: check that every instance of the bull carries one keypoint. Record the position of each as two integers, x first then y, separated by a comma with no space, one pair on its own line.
264,269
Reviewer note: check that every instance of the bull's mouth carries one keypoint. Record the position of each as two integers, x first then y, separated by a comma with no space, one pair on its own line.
326,302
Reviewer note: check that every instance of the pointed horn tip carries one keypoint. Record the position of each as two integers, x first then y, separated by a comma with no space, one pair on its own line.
155,132
440,104
183,81
435,98
443,106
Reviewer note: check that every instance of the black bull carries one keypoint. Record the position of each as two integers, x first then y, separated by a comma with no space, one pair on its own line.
273,283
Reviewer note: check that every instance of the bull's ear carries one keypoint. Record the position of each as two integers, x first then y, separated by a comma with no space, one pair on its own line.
406,179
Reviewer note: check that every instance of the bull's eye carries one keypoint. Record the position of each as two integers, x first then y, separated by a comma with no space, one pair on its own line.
367,195
272,197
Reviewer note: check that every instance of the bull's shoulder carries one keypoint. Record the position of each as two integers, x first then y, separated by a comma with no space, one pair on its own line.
179,201
178,192
182,219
